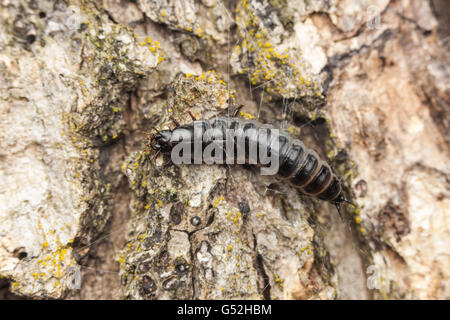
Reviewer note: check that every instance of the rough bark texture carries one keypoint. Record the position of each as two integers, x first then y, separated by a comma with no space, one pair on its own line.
86,212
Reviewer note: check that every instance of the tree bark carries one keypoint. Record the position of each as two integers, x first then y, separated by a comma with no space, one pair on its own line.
88,211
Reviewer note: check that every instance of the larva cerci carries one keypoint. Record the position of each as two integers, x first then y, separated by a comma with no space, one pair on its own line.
301,167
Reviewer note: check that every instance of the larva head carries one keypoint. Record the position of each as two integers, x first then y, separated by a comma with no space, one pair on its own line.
161,141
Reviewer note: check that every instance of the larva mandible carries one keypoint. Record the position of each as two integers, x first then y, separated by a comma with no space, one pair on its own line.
301,167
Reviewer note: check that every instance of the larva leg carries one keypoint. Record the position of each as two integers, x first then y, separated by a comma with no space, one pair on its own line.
191,115
174,121
236,111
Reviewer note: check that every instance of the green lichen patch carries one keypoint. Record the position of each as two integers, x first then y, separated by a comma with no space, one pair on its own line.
283,73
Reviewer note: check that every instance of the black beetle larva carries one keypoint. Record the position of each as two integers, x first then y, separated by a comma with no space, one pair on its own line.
301,167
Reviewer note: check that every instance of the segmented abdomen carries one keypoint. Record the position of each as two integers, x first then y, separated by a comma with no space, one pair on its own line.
301,167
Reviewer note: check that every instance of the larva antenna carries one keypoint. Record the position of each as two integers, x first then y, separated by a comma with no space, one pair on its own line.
155,156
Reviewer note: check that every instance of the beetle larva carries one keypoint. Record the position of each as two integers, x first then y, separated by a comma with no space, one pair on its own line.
301,167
